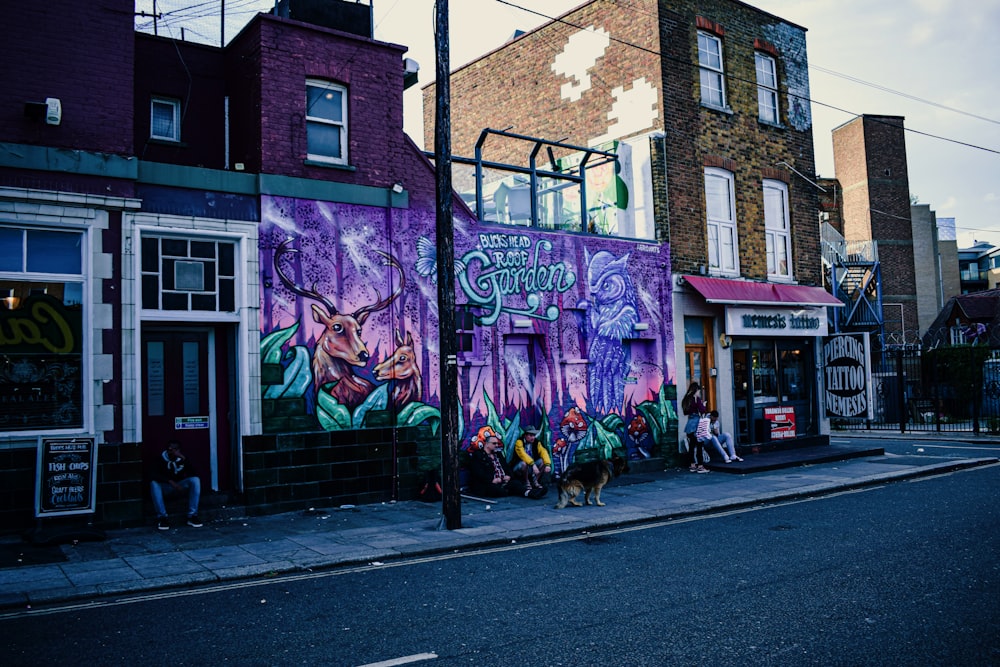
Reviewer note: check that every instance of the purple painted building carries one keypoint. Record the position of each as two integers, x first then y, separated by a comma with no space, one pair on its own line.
236,247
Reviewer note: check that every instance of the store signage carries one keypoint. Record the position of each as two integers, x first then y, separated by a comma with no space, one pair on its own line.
66,476
782,420
776,322
847,376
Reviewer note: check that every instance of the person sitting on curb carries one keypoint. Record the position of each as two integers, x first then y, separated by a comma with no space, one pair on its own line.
489,476
721,442
531,460
173,473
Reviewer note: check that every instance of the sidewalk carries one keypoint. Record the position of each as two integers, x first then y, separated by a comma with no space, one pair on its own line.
142,559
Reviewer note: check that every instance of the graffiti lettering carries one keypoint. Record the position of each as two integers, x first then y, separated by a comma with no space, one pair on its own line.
28,330
516,271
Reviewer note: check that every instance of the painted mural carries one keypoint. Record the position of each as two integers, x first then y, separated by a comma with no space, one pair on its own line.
566,332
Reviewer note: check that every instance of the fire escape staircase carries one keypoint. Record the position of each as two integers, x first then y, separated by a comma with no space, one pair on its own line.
854,276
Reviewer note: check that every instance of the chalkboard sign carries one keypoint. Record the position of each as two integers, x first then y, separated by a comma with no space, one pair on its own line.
67,476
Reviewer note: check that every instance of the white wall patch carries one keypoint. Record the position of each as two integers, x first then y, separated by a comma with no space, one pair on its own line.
577,58
633,110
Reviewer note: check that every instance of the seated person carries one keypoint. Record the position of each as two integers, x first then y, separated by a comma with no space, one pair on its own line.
531,460
488,473
721,442
173,473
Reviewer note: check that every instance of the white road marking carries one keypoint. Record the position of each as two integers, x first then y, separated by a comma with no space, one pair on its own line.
405,660
927,444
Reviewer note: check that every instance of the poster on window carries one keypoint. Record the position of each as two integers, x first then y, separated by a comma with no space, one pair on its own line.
782,419
847,376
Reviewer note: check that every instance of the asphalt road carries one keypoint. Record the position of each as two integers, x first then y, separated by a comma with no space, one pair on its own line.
904,574
957,445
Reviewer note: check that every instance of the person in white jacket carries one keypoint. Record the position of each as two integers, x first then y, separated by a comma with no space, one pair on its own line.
721,443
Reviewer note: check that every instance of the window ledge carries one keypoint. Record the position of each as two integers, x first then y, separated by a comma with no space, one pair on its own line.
153,141
767,123
329,165
711,107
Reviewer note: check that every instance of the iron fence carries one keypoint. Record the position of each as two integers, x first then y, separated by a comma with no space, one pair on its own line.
950,389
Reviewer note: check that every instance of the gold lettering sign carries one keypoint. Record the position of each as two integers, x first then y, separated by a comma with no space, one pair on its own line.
40,324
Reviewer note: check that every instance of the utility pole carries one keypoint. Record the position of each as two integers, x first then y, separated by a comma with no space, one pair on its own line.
451,499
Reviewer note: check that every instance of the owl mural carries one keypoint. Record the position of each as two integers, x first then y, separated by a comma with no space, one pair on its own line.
612,311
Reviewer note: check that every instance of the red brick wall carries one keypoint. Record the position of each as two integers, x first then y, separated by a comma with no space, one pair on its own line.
83,42
870,162
194,74
514,86
268,90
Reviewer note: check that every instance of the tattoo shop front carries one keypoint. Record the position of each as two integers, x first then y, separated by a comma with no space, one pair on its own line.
771,335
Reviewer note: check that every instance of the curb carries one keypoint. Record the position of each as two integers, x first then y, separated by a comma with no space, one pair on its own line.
19,604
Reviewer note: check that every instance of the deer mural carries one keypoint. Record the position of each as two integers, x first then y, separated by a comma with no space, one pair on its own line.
339,348
400,370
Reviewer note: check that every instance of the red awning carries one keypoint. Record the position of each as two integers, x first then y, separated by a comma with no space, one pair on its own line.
749,293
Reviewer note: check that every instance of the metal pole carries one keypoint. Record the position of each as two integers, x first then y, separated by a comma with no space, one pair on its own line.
451,503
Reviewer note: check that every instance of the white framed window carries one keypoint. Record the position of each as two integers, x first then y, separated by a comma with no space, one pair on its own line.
326,121
165,119
777,230
188,274
767,89
720,207
42,329
713,91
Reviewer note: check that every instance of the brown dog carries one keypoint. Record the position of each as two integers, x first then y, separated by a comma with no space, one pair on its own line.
590,478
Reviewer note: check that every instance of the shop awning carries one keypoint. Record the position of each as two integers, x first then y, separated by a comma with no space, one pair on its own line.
749,293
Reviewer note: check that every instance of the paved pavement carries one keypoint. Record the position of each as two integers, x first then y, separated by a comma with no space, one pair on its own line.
143,559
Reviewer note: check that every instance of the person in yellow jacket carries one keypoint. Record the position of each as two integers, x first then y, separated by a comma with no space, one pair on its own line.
531,459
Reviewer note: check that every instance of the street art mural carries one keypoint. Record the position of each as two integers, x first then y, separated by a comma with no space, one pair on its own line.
566,332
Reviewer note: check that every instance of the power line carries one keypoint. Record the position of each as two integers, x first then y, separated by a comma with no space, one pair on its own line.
661,55
876,86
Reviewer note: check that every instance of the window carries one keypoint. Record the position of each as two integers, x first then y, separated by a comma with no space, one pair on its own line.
767,89
776,229
165,119
720,204
41,329
469,345
713,91
326,121
188,274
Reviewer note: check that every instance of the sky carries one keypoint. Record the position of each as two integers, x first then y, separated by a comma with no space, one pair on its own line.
936,63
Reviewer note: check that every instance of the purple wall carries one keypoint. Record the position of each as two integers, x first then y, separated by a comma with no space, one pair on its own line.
555,337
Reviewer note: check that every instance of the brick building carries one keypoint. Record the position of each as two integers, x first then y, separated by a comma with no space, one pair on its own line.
706,105
179,224
868,202
236,247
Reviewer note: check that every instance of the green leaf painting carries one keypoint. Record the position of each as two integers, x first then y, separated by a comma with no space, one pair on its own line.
270,345
332,415
297,376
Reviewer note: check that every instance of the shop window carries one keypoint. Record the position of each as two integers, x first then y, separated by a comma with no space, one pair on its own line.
41,329
188,274
326,121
